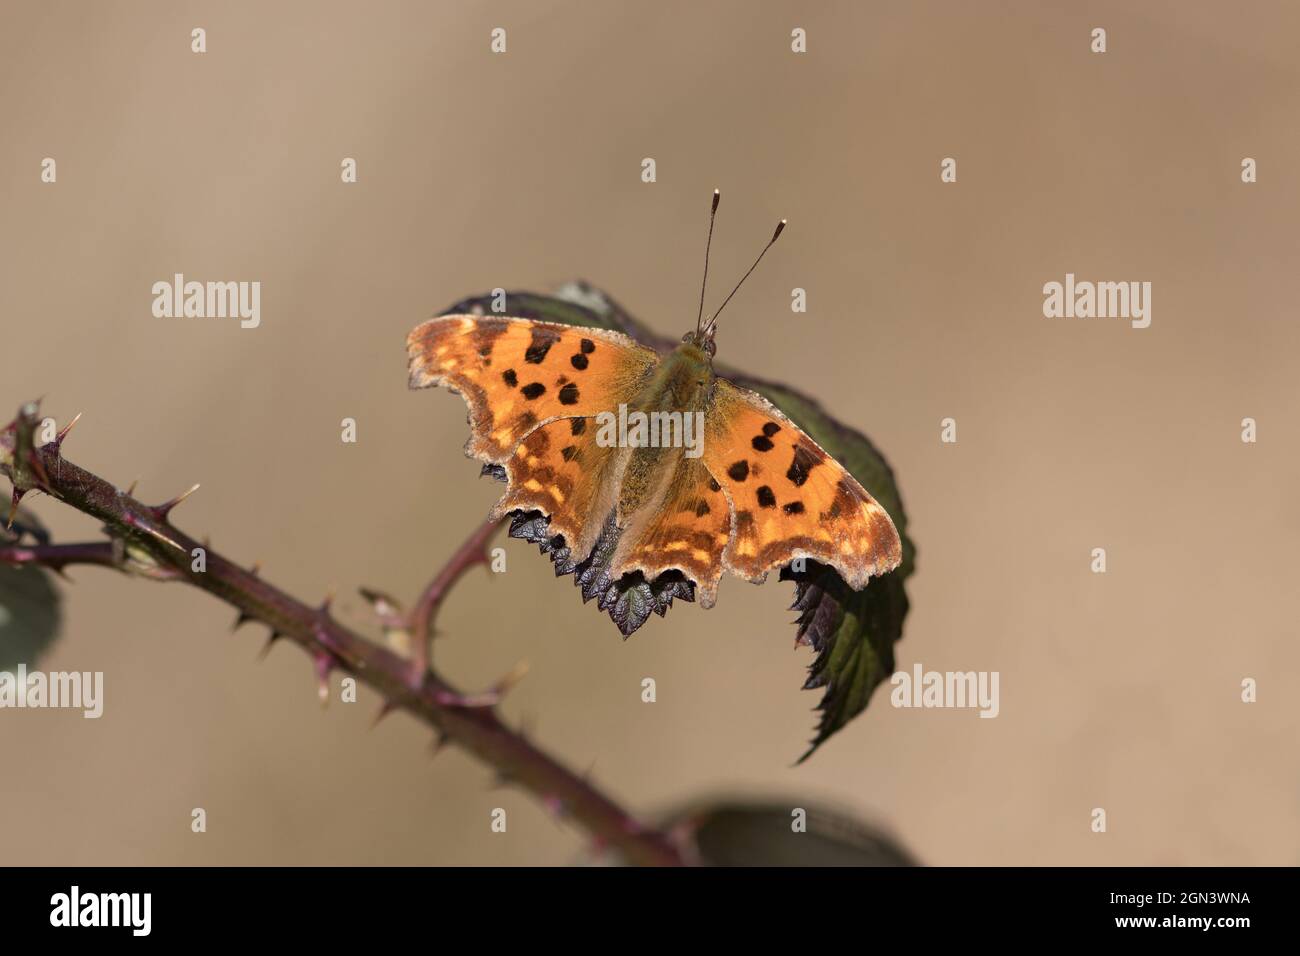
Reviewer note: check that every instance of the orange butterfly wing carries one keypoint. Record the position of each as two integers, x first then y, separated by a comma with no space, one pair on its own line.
560,470
686,530
789,498
762,495
517,374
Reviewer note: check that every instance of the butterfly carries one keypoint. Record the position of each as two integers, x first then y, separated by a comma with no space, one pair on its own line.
746,493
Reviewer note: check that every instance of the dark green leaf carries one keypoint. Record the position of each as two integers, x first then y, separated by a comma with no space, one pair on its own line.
29,602
764,834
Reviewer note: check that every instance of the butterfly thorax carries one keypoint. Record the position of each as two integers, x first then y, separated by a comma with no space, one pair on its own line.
682,383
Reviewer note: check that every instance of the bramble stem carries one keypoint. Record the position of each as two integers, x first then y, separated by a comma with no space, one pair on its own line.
56,557
142,540
472,552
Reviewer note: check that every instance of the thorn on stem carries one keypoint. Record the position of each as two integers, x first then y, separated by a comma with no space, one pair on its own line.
270,642
163,510
324,663
386,608
131,521
439,741
386,708
488,698
63,432
14,498
511,679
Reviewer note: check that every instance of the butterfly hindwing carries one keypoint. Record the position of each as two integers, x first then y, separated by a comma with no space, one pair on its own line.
789,498
516,374
685,529
560,470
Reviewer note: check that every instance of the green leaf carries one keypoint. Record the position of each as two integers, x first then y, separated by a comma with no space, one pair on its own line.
852,632
29,603
765,834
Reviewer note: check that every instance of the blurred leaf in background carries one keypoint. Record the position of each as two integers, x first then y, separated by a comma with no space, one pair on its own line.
770,834
745,832
29,602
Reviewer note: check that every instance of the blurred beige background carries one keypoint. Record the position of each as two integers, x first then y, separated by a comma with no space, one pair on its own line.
1118,690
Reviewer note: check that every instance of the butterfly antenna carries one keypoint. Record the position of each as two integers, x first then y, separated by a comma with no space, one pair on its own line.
717,197
712,323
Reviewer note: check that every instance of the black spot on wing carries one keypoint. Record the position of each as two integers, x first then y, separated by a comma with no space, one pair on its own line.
739,471
569,394
803,463
541,343
533,390
577,426
765,497
510,378
762,443
578,361
485,334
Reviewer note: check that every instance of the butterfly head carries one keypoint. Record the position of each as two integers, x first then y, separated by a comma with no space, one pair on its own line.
701,340
702,336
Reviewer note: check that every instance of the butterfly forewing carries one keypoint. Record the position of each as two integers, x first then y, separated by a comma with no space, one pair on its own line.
790,498
516,374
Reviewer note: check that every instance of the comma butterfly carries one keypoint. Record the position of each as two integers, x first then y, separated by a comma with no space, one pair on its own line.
753,493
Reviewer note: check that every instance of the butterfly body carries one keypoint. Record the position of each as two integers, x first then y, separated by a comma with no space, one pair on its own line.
682,382
679,386
756,494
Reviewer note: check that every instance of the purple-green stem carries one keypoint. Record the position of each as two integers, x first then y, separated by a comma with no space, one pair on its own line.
472,552
142,539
